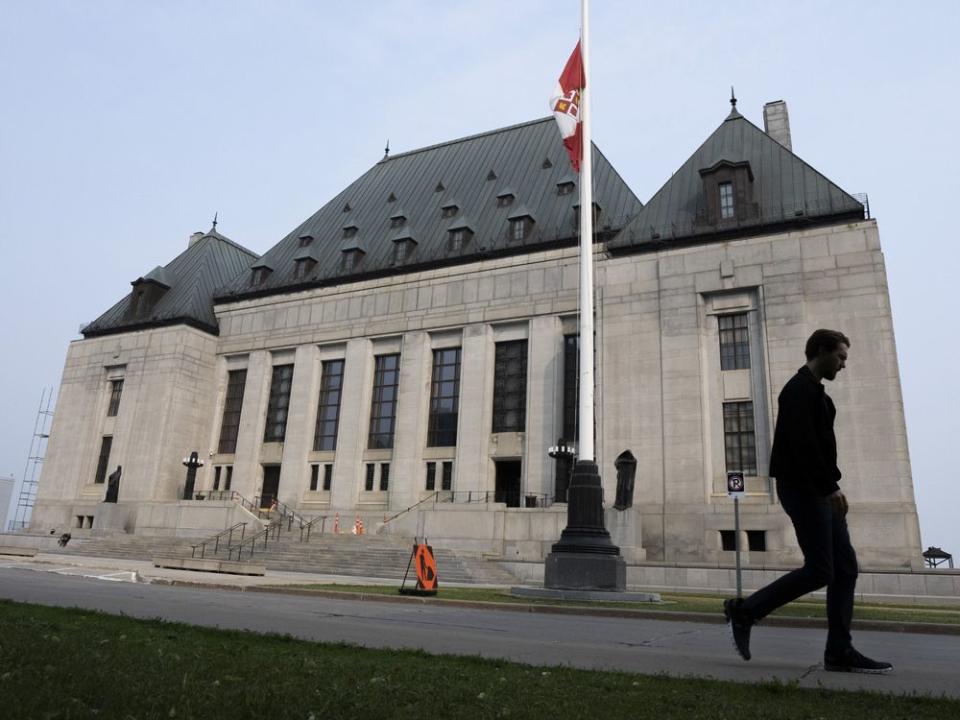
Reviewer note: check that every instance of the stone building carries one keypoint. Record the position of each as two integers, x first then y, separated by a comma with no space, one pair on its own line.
415,339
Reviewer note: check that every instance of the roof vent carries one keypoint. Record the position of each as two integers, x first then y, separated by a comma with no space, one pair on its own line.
347,208
546,164
491,175
439,187
392,198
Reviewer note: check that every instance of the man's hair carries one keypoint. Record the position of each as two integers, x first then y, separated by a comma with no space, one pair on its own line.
829,340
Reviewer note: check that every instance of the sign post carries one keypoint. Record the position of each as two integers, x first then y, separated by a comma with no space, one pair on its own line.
736,490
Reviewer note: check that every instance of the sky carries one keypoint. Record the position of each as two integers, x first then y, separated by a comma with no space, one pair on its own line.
125,126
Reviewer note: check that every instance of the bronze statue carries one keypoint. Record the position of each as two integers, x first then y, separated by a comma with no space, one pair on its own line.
113,485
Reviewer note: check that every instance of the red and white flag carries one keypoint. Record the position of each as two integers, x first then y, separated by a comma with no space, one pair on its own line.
565,105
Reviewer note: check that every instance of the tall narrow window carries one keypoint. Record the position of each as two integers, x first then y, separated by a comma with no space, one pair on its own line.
279,404
446,481
232,405
726,200
431,476
444,398
116,389
738,436
103,462
383,407
510,386
368,481
229,481
327,477
314,477
328,410
384,477
216,476
571,386
734,342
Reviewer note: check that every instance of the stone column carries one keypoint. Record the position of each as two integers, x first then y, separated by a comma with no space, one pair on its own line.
410,429
353,426
472,465
246,471
301,417
544,372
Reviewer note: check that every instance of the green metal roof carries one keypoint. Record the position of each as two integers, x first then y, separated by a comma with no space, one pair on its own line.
424,181
786,192
191,278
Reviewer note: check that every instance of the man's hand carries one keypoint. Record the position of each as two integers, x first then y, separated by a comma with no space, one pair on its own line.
839,502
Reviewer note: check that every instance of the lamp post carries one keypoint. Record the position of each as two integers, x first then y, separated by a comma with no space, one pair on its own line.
191,464
564,455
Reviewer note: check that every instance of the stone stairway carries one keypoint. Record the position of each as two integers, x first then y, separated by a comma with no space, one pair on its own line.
374,556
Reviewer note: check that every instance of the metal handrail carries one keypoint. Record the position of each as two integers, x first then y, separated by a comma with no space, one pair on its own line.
252,540
216,540
540,500
323,524
432,496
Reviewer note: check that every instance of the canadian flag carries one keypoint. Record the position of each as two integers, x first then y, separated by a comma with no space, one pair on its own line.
565,105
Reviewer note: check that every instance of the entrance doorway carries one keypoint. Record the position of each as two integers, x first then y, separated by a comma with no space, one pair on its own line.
507,489
271,485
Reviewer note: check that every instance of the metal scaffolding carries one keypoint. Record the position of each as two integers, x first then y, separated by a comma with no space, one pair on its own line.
31,471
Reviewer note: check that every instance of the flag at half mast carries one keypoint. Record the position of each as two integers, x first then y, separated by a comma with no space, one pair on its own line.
565,104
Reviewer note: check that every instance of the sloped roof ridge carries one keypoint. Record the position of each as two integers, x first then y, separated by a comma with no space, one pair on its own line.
234,243
466,138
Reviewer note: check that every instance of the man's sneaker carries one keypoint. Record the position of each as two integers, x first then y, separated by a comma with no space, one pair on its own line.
739,622
854,662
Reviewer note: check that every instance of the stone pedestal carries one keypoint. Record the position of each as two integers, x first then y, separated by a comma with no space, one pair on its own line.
112,518
584,571
624,527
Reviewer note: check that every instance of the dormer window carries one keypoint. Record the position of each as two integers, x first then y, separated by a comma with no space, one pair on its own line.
459,238
565,188
349,231
449,211
520,228
505,199
726,200
259,275
303,267
351,259
576,215
398,221
304,240
402,250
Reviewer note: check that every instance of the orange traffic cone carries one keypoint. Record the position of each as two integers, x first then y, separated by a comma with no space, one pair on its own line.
336,524
358,526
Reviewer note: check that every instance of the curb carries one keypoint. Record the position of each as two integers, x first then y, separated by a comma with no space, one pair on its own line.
623,613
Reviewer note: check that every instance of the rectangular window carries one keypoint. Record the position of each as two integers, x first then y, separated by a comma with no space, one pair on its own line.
314,477
116,389
383,407
734,342
757,540
510,386
447,481
229,480
327,477
444,398
571,386
328,410
384,476
728,540
232,405
216,477
431,476
103,462
279,403
739,438
518,229
726,200
368,482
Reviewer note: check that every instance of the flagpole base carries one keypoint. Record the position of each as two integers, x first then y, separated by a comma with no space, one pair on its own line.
585,558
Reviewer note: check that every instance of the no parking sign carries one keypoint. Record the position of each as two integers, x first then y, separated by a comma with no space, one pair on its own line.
735,484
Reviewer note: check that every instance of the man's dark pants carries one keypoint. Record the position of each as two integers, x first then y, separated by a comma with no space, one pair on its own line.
828,560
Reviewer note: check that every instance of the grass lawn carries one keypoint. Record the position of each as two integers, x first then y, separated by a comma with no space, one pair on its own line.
678,603
58,663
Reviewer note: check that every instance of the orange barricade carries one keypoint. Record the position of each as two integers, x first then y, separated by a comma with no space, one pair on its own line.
425,566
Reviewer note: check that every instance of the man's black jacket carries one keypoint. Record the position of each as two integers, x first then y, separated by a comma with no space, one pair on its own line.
804,446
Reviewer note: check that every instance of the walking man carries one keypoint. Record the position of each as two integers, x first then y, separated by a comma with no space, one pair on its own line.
804,462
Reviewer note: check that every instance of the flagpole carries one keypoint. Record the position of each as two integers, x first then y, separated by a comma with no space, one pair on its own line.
585,446
585,558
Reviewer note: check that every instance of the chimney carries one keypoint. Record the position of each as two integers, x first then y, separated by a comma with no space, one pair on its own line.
193,238
776,122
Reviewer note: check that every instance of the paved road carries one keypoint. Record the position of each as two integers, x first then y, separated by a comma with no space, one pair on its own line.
924,663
